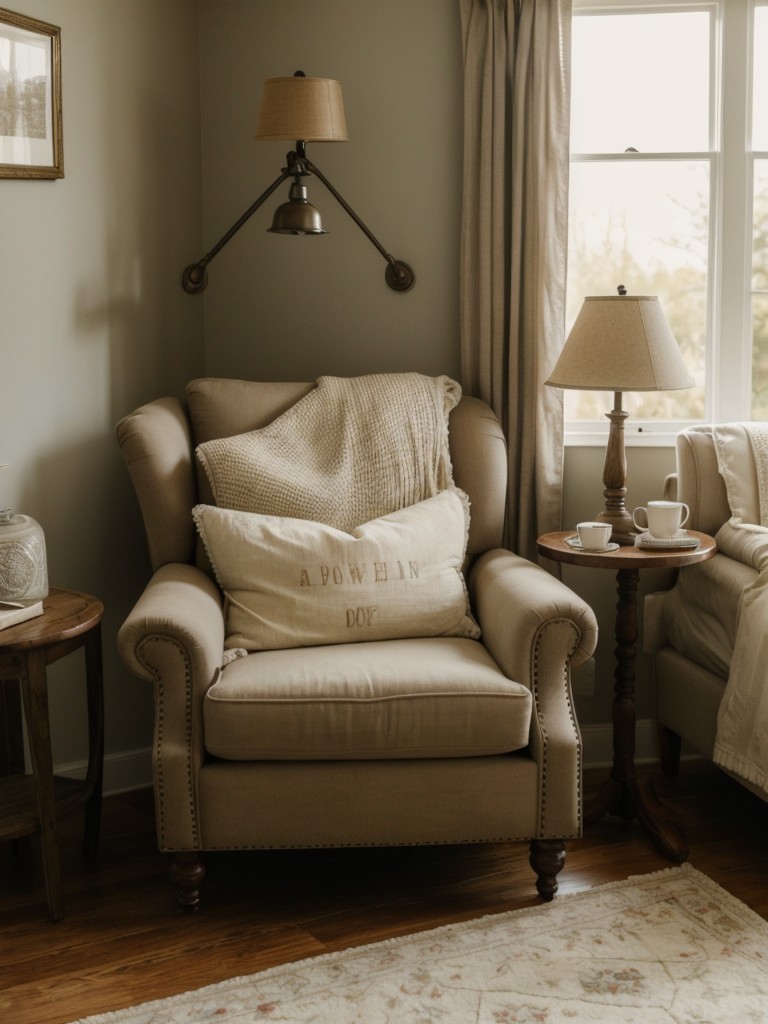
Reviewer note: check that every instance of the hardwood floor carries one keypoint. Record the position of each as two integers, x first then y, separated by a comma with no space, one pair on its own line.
122,940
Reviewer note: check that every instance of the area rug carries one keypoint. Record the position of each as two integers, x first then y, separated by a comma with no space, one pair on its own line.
660,948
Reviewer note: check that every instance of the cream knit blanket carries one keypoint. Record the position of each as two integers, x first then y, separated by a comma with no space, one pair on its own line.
741,742
352,450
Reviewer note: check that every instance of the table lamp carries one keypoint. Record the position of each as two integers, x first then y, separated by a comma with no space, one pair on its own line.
620,343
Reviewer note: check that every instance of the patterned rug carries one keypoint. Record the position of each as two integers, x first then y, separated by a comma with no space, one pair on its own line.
660,948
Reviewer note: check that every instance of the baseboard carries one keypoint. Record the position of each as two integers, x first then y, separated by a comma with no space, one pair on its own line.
132,769
597,741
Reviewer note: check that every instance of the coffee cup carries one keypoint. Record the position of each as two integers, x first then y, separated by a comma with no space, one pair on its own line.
662,518
594,536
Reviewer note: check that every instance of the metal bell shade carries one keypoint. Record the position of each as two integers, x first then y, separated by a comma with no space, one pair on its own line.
298,216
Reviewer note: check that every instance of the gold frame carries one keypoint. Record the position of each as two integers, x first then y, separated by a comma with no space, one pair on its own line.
19,25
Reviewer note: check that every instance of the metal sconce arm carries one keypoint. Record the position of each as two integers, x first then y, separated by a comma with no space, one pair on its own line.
195,276
398,275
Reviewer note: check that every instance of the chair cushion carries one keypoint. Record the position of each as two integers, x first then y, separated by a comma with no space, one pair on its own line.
296,583
432,697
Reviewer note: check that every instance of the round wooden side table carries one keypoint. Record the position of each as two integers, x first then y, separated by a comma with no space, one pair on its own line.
34,803
622,793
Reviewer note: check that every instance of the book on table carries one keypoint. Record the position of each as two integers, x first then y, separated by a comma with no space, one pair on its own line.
12,613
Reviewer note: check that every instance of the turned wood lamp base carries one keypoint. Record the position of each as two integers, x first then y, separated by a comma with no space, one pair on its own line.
623,530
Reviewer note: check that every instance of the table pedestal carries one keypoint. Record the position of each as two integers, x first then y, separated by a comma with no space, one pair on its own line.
623,793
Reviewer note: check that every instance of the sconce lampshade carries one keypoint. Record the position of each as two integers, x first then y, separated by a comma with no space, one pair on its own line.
621,343
301,108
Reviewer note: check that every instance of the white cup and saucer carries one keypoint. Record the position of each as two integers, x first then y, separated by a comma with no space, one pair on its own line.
664,520
663,526
592,536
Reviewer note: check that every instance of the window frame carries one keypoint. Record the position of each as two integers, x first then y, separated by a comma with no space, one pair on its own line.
728,368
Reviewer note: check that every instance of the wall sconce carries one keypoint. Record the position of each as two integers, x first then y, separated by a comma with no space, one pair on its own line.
306,110
620,343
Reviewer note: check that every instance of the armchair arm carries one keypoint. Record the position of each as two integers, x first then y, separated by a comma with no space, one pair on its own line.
182,604
515,600
536,629
175,636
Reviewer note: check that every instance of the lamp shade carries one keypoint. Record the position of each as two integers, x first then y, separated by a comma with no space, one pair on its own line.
301,109
621,343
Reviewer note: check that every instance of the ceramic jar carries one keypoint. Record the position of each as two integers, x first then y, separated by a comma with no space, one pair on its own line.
23,568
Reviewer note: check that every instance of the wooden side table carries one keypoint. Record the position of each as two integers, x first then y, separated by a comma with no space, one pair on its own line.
34,803
622,793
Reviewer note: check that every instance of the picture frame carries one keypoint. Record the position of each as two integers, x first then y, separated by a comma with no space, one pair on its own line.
31,135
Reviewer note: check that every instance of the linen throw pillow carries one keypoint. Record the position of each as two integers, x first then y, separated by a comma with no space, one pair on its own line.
297,583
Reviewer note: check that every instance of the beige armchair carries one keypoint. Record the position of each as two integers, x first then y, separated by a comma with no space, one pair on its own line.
691,629
419,740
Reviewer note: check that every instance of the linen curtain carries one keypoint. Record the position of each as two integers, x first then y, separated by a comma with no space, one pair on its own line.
514,239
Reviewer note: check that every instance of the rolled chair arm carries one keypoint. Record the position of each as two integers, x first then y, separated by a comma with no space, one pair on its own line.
536,629
175,636
180,604
514,599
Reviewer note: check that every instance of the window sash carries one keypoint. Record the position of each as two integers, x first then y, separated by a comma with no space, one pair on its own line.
728,360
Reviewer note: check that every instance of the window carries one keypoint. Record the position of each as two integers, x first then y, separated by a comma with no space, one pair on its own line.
662,195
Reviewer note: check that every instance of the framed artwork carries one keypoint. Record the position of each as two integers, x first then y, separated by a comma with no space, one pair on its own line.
31,144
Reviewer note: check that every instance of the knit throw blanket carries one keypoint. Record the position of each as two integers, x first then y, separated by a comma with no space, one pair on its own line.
352,450
741,743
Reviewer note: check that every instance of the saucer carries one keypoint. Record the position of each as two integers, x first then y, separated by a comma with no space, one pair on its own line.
682,539
575,543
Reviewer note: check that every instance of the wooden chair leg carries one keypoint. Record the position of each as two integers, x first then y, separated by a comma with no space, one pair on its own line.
669,750
547,858
187,872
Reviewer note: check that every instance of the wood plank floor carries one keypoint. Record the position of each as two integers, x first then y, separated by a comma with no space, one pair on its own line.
123,941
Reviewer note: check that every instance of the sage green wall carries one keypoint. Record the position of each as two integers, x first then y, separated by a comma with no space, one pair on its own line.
283,307
93,321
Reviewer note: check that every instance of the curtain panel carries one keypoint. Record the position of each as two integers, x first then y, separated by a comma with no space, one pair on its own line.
514,240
